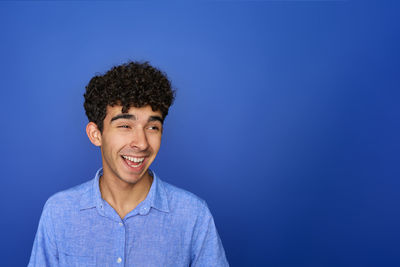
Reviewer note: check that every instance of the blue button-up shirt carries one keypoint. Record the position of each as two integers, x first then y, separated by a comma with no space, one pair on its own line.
171,227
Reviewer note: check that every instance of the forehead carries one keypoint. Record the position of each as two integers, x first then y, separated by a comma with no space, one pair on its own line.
140,113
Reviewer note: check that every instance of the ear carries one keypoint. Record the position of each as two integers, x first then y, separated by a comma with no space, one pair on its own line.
93,133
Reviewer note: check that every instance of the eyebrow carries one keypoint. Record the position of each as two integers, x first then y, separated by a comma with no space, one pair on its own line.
156,118
123,116
133,117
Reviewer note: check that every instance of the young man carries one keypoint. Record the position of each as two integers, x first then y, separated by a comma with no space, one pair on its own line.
126,215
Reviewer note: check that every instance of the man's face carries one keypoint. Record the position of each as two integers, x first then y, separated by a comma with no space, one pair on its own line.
130,142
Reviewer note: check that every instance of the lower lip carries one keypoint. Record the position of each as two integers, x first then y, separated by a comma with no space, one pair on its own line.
139,168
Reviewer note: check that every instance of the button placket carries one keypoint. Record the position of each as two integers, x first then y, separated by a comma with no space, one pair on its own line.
121,251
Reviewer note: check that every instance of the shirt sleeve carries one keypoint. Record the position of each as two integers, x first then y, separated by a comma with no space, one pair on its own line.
44,251
207,249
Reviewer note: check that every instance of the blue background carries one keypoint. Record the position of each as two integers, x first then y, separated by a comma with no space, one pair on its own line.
286,120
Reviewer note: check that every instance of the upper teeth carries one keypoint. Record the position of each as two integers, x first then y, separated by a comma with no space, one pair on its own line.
133,159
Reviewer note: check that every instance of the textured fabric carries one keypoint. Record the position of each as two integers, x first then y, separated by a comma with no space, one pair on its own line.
171,227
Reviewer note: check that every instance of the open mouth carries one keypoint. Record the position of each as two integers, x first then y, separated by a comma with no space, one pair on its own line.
134,162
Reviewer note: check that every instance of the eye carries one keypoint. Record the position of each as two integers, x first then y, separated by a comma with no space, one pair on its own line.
123,126
154,128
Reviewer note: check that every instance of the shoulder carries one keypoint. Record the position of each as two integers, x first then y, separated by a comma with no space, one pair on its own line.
68,198
181,195
183,201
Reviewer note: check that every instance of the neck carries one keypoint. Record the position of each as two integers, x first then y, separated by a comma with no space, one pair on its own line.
123,196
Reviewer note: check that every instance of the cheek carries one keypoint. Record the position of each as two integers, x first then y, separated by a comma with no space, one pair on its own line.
155,143
112,144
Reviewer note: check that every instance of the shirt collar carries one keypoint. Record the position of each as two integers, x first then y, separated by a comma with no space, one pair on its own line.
156,198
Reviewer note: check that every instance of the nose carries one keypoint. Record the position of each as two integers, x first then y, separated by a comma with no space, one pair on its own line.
139,139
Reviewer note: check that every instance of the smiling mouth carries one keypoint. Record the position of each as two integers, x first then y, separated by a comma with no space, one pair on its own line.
134,162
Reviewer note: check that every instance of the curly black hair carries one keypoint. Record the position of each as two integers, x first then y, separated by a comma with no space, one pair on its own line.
134,84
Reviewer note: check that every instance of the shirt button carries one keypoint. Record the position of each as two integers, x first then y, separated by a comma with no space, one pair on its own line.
119,260
120,224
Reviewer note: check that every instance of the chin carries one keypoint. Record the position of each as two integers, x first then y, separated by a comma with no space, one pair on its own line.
134,179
